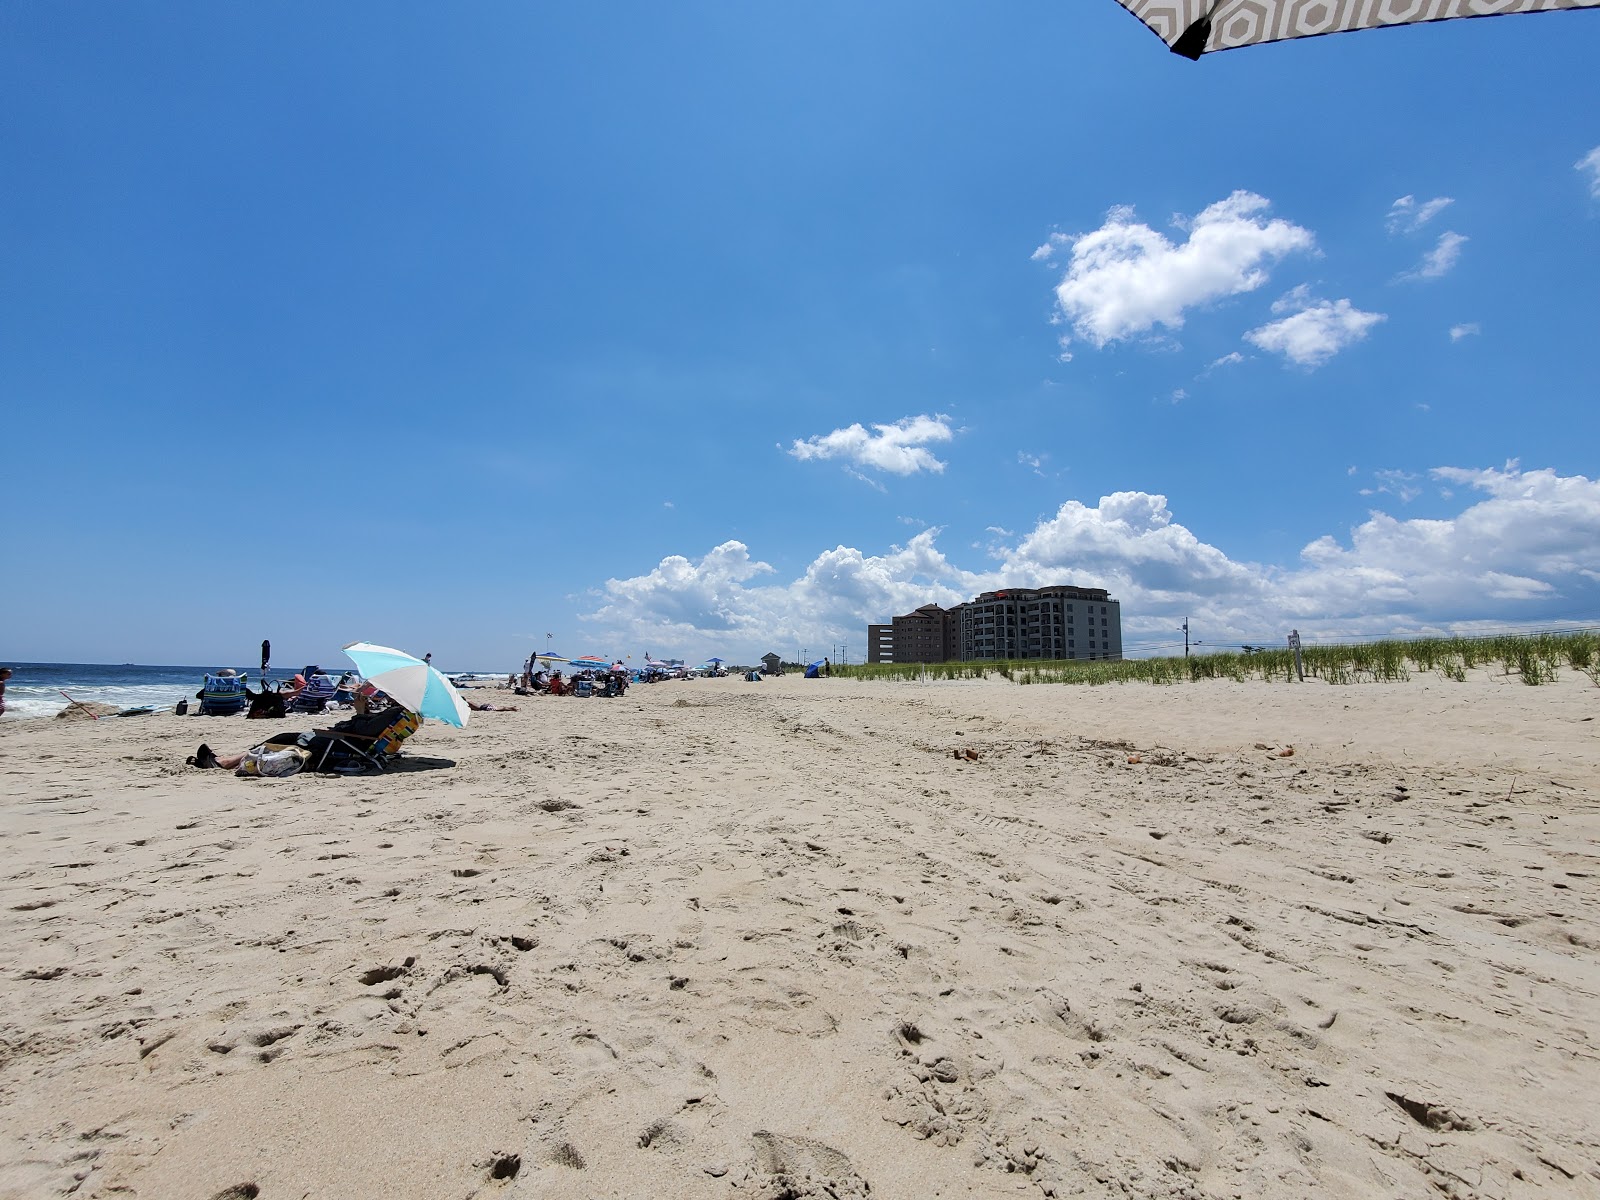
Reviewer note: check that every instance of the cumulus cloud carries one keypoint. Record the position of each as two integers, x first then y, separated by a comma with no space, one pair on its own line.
1408,216
1315,330
1438,261
899,449
683,604
1529,539
1125,278
1519,550
1589,165
1468,329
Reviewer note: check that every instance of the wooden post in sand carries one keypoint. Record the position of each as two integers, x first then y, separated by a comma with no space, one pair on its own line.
1294,644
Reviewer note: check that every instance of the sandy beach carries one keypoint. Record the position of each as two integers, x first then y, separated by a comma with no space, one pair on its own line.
820,938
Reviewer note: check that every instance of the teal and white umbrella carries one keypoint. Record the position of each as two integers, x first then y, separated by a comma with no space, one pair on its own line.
409,682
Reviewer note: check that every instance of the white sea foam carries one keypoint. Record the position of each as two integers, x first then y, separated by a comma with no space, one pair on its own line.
34,702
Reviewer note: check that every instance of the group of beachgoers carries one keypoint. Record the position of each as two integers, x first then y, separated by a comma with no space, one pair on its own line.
537,680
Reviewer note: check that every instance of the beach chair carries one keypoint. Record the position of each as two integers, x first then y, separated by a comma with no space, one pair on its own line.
316,695
222,696
352,750
344,694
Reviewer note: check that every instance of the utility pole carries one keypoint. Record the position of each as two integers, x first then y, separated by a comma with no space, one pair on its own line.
1186,637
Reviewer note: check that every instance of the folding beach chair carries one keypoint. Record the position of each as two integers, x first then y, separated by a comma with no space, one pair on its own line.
222,696
316,695
354,750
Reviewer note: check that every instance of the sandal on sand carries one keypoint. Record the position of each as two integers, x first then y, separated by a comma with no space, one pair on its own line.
202,757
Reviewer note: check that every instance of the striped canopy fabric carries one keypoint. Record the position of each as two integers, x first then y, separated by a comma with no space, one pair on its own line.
1195,27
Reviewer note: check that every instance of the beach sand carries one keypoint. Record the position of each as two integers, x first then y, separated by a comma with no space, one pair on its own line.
819,938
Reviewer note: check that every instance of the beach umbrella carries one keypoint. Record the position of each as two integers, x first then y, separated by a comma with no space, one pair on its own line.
1195,27
591,662
550,660
409,682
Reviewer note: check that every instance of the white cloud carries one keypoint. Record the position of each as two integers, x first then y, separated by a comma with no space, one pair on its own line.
722,600
1468,329
1315,330
1531,539
1034,462
1179,395
1400,484
1124,279
1232,359
1590,164
1520,551
1438,261
1407,216
898,448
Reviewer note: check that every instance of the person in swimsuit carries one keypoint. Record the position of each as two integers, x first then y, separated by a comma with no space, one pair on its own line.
367,723
5,674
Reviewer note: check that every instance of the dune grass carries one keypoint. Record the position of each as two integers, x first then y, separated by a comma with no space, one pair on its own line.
1534,658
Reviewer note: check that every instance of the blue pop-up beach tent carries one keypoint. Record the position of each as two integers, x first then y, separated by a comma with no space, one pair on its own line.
814,671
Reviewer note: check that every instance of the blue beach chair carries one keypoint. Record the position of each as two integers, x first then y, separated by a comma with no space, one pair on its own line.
316,695
223,695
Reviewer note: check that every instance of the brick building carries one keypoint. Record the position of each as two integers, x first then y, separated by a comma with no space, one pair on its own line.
1060,622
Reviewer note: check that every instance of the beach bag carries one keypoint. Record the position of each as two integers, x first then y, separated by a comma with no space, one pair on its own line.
274,761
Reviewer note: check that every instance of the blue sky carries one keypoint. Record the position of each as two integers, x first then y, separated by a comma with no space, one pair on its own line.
715,328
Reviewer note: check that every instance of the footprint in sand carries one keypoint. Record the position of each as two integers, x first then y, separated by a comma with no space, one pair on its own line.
797,1168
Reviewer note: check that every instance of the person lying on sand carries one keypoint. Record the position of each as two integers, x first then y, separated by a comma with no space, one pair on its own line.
369,722
491,707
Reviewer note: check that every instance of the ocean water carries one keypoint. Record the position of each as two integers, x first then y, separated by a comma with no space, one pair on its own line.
42,689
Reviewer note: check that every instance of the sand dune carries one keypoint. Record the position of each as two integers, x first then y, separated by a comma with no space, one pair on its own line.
820,939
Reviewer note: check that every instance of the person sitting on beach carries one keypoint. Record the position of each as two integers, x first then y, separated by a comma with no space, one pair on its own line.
344,692
557,687
369,722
